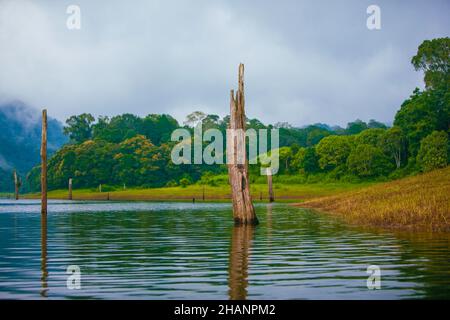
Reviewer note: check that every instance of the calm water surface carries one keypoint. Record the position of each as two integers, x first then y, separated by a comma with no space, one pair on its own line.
146,250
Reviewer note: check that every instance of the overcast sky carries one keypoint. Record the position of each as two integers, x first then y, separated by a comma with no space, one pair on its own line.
306,61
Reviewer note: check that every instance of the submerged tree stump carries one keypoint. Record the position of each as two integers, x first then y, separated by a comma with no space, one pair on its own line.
16,185
70,189
44,163
243,210
270,184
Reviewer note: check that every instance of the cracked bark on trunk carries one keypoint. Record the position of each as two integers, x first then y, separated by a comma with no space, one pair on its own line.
243,210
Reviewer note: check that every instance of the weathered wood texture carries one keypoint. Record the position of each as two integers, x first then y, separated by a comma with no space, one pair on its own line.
44,163
16,185
70,189
270,185
243,210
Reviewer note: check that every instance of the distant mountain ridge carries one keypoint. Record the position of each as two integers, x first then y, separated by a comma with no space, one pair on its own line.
20,137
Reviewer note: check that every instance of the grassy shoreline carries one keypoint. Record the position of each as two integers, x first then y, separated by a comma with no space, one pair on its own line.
283,193
419,203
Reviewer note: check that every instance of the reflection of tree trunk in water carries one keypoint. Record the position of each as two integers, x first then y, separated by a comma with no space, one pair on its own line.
241,238
44,276
269,221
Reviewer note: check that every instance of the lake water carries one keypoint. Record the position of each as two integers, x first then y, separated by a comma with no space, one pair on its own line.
145,250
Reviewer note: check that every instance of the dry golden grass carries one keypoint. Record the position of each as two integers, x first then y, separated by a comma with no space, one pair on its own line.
420,203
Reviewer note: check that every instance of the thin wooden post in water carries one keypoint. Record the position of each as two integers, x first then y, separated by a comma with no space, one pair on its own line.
44,163
243,210
203,195
16,186
70,189
269,184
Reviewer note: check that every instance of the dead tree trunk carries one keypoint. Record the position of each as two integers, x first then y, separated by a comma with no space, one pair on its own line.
270,184
44,163
16,186
243,210
70,189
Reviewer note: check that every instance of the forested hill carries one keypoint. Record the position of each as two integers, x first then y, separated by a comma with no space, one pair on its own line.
136,151
20,138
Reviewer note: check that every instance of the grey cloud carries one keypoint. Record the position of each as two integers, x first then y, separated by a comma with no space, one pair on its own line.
306,62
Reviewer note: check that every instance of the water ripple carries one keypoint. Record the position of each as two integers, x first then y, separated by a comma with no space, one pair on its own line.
162,250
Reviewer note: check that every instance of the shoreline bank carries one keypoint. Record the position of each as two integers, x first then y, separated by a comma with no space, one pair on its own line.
283,193
419,203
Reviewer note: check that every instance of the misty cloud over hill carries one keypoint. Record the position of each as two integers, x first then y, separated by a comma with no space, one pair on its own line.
20,138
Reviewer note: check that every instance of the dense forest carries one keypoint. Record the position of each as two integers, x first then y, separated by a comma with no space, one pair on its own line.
127,150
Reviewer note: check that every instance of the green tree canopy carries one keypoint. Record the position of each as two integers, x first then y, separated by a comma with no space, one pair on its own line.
370,136
421,114
367,161
79,128
434,151
393,144
433,58
118,128
194,118
333,151
310,161
356,127
373,124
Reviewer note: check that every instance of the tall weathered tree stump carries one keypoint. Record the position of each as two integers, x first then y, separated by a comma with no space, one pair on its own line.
243,210
44,163
70,189
270,184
